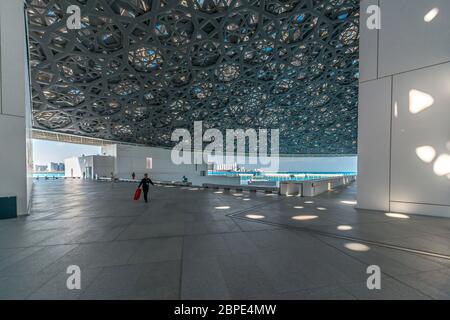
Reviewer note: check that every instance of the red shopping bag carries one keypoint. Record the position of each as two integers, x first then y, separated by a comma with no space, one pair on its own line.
137,194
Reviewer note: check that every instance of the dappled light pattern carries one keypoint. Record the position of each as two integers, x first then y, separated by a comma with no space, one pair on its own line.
426,153
138,69
441,166
431,15
419,101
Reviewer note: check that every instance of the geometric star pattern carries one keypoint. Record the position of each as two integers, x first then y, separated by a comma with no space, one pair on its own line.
138,69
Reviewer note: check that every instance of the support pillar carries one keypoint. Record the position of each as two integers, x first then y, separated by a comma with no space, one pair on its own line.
15,112
403,125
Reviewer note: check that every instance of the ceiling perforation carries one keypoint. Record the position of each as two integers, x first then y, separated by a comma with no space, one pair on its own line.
138,69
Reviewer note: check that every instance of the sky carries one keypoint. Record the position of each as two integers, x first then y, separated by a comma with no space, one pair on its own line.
45,151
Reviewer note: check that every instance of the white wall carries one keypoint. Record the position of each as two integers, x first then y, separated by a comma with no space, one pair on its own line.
15,107
73,168
412,54
111,150
374,144
101,166
130,158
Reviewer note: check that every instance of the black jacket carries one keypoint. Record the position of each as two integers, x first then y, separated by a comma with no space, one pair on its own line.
145,183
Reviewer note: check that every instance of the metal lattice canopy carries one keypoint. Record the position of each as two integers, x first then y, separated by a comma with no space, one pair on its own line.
138,69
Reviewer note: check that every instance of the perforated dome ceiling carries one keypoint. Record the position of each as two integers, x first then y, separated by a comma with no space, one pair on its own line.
138,69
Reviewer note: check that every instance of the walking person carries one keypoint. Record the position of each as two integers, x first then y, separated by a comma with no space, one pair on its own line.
145,183
112,180
133,175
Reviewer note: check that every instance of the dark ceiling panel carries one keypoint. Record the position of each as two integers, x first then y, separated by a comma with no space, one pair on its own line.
138,69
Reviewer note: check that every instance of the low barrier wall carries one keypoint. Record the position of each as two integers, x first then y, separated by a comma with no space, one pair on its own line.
250,188
313,188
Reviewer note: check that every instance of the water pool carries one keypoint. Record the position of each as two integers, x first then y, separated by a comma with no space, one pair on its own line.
48,175
274,178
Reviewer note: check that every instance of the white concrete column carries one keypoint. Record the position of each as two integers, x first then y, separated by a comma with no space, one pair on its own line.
404,108
15,109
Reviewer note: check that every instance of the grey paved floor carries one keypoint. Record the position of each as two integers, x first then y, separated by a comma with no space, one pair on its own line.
184,245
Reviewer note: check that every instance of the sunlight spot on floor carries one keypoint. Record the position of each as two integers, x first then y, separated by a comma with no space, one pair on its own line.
255,216
304,217
397,215
357,247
